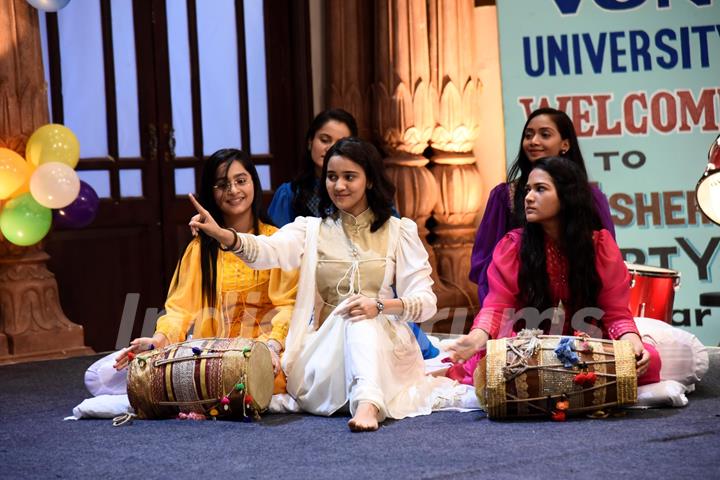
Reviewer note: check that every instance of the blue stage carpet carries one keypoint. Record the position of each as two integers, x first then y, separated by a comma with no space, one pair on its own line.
36,443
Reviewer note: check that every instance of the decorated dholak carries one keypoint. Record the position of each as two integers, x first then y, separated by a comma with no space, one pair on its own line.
217,377
553,376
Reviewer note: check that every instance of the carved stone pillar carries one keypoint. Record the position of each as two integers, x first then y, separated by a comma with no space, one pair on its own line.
403,98
416,193
32,318
403,101
424,93
402,104
349,59
32,324
459,182
455,74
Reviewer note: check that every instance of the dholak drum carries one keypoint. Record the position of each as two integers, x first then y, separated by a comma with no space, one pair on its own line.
523,376
652,291
218,377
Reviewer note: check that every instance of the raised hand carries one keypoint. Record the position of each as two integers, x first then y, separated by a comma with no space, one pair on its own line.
204,222
139,345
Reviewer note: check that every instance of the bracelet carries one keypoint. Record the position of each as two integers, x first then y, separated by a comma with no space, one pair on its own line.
235,241
271,346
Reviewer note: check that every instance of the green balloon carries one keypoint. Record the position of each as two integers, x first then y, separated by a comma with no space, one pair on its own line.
24,221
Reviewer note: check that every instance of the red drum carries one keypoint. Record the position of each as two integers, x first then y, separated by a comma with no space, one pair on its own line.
652,291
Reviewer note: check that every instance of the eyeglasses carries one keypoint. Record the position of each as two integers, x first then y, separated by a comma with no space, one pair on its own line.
227,186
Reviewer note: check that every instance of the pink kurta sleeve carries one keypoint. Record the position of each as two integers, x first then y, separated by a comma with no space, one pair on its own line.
614,296
502,299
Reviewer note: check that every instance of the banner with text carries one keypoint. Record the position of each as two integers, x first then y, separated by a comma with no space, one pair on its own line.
641,81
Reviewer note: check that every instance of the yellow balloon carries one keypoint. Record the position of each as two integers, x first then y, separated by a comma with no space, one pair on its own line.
53,143
14,172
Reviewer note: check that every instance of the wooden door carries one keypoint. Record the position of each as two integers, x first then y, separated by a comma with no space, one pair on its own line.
151,88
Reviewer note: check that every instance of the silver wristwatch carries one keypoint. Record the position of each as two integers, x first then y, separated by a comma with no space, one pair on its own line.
379,305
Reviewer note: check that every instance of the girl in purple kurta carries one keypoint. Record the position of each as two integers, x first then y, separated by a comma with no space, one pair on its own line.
548,132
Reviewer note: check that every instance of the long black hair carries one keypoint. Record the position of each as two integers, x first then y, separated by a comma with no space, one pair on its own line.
303,186
578,220
218,165
380,190
520,169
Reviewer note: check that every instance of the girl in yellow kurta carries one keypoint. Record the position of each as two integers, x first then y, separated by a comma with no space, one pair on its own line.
214,290
252,304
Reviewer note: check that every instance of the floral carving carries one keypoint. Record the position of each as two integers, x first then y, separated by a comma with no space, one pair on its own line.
458,122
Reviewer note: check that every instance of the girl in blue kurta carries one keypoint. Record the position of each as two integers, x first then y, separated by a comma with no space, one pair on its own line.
300,198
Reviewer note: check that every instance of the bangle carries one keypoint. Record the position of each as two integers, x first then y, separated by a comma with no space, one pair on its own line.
235,241
271,346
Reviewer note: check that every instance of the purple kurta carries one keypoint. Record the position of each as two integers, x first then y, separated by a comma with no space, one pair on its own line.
497,221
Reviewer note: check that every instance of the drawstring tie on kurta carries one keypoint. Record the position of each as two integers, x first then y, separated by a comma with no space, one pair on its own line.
352,271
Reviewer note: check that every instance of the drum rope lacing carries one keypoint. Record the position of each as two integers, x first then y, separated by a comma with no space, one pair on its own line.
248,410
526,344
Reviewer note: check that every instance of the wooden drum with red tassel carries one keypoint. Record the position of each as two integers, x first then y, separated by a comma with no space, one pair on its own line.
215,377
533,375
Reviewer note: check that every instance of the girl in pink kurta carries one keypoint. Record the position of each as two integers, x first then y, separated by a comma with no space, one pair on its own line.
547,133
560,257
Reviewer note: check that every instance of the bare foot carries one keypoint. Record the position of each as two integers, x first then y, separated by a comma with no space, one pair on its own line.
365,419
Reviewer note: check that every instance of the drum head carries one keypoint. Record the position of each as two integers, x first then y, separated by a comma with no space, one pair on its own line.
479,380
650,271
707,195
260,375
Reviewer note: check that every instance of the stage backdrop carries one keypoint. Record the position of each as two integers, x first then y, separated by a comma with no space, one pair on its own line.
641,81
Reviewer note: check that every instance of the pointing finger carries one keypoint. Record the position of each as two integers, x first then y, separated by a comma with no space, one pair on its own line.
197,205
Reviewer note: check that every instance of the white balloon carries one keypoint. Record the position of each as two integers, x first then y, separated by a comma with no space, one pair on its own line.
54,185
49,5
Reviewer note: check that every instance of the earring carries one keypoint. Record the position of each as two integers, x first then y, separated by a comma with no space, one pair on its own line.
563,152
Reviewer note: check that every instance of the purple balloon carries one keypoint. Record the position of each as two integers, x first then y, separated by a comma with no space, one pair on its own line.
81,212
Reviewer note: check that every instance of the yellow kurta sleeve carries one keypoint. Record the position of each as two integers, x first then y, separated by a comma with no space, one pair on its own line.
281,290
184,302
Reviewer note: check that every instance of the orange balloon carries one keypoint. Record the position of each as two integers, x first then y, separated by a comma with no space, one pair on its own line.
14,172
25,187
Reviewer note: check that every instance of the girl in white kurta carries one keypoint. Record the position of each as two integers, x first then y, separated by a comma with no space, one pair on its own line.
348,340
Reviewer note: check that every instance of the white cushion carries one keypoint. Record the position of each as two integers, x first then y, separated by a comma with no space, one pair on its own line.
665,393
684,358
102,379
102,406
